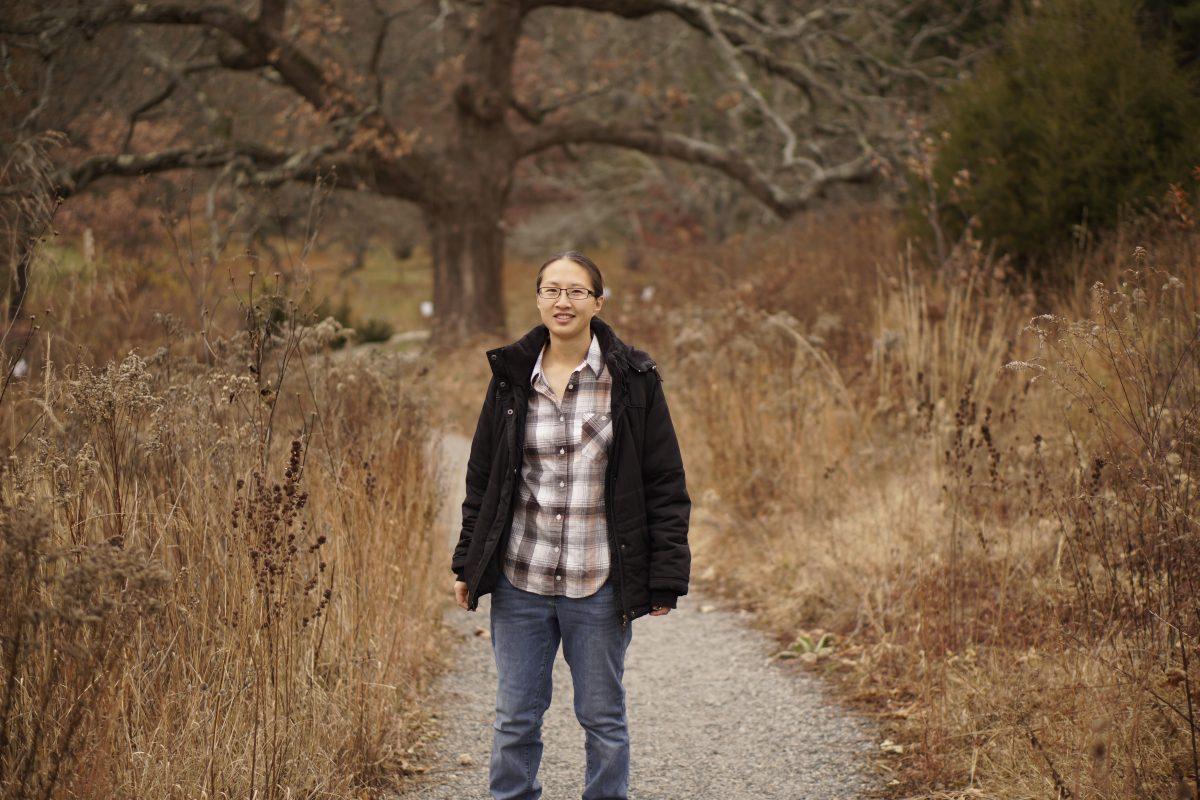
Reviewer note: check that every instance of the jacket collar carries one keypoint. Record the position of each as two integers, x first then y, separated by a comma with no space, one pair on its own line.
515,361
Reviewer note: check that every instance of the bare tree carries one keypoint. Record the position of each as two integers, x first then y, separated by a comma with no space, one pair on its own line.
820,80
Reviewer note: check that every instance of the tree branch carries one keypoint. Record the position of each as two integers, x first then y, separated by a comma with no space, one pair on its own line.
252,164
691,12
370,135
263,43
654,141
178,77
385,23
844,58
535,115
145,107
730,55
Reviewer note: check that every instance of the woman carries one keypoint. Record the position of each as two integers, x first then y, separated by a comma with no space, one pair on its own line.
575,520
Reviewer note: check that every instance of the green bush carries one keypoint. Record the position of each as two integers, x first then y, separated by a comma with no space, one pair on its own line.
374,330
1077,117
368,330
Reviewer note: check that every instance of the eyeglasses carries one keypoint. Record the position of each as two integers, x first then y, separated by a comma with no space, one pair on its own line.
574,293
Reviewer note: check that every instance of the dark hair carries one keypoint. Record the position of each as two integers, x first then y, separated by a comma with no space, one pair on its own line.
580,259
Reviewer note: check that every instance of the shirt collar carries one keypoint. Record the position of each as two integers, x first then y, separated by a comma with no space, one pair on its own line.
593,359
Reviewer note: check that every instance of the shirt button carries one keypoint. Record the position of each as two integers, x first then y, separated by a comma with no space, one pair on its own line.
561,417
570,386
558,577
558,516
556,548
562,483
561,450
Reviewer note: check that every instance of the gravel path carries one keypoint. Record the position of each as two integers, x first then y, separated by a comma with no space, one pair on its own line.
709,716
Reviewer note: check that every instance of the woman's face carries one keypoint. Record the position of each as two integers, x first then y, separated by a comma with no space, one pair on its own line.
566,317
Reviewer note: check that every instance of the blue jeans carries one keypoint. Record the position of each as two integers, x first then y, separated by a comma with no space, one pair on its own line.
526,628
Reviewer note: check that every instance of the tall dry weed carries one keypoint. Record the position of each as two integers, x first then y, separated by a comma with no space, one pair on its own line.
1128,508
71,609
257,524
764,392
1013,610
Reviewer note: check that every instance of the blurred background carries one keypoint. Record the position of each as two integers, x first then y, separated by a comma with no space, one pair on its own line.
920,278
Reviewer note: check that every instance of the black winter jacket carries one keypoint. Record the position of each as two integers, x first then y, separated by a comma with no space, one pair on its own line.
646,499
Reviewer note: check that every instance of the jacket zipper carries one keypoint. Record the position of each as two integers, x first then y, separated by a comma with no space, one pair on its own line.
613,540
610,478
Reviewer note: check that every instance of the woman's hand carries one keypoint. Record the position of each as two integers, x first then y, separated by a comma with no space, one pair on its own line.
660,611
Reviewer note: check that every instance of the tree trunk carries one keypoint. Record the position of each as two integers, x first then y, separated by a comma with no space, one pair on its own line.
466,217
468,258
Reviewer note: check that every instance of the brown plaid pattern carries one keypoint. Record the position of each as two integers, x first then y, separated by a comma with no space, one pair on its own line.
559,539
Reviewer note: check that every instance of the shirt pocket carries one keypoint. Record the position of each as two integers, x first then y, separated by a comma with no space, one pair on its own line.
596,435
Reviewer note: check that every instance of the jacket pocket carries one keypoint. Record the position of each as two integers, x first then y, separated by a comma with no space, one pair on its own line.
596,435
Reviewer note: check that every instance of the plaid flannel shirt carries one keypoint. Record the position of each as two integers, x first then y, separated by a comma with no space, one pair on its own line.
559,539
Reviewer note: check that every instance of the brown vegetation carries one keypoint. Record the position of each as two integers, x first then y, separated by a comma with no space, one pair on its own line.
223,560
218,573
992,513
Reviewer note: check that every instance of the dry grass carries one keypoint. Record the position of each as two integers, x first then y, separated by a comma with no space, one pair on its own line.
1007,567
219,573
1023,628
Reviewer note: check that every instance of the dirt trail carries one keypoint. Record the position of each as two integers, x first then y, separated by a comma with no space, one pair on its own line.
710,718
